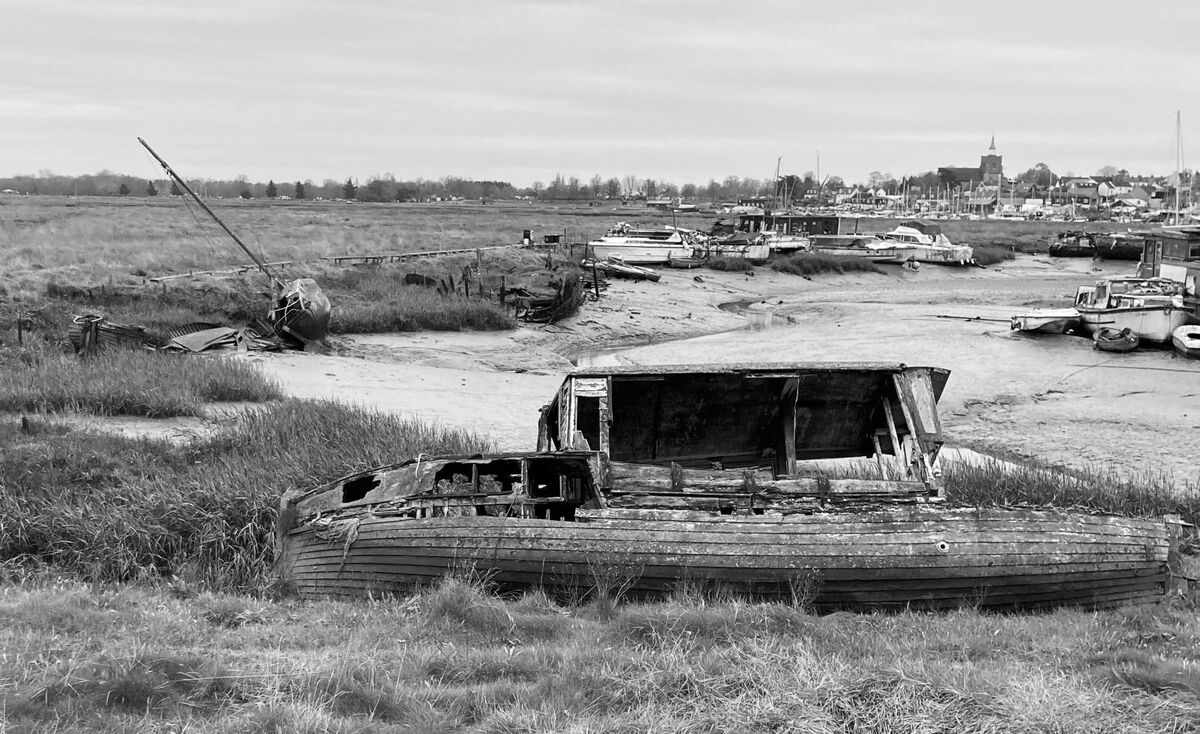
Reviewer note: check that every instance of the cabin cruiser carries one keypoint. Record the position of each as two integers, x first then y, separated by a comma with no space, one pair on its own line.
926,243
643,246
1151,307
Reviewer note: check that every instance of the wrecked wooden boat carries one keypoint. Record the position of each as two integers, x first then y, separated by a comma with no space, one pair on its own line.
653,478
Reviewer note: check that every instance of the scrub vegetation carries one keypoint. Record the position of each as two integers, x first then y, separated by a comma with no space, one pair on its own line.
808,263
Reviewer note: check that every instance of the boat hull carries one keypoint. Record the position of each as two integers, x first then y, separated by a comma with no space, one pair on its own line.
1046,321
912,557
639,252
1151,323
1186,340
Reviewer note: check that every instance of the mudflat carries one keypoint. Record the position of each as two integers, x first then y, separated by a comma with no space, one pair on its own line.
1050,397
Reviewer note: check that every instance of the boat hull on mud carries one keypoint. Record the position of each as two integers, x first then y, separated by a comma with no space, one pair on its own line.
918,556
1046,321
1186,340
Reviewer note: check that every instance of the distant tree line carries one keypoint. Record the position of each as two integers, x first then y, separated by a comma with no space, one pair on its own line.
386,187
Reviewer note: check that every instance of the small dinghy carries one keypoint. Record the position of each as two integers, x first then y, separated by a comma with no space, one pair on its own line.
1112,340
1186,340
686,263
1046,321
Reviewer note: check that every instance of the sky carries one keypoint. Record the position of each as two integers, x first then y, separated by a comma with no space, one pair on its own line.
522,90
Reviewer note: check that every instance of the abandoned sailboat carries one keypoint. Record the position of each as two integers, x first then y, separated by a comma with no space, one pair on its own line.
700,475
301,311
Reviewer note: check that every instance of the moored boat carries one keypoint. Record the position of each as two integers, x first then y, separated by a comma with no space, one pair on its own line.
617,268
927,244
663,476
751,246
1186,340
1150,307
641,246
1073,243
1121,246
686,263
1114,340
1046,321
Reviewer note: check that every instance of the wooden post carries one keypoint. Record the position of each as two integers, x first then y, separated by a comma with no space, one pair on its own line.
502,290
897,448
595,279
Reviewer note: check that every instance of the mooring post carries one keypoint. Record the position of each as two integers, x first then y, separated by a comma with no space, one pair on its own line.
595,279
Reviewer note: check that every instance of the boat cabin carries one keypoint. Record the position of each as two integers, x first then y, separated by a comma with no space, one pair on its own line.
789,224
1113,293
1173,253
774,416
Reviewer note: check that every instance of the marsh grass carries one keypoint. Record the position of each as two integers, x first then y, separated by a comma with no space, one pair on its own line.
986,255
109,508
1098,489
807,263
137,658
121,381
729,264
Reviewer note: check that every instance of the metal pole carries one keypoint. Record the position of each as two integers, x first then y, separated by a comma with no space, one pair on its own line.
183,184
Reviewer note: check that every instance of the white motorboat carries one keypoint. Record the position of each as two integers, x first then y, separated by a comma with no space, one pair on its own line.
1152,308
927,244
638,246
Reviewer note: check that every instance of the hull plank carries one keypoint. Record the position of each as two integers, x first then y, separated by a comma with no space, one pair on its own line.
992,558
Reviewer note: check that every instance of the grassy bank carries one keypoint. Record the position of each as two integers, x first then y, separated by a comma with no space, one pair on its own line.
110,508
454,658
121,381
806,263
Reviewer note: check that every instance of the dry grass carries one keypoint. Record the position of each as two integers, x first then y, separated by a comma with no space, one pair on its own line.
455,658
125,382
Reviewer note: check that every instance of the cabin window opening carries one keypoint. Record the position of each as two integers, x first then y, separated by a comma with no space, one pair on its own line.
356,489
587,420
455,478
725,509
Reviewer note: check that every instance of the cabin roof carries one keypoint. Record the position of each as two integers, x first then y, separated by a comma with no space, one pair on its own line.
738,368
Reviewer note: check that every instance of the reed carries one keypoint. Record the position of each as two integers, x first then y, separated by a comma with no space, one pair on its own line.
1098,489
729,264
806,263
107,507
126,382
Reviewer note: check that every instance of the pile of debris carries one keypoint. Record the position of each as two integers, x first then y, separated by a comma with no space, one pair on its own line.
90,333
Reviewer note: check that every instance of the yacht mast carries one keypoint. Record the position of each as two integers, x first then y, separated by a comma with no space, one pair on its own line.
1178,162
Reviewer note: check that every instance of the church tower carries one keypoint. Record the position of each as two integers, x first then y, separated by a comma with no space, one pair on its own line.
991,165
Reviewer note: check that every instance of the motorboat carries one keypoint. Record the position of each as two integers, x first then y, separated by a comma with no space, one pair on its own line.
1150,307
1046,321
642,246
928,244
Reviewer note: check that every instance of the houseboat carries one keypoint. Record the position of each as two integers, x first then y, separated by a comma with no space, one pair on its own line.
708,475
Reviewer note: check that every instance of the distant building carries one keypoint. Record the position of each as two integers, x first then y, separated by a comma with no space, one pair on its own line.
989,172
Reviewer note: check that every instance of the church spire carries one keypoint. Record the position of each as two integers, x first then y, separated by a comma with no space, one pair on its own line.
992,147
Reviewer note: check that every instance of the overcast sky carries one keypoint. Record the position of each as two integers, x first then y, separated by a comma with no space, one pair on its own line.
520,90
